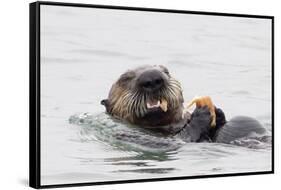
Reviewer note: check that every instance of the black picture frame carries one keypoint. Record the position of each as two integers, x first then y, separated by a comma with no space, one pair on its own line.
34,91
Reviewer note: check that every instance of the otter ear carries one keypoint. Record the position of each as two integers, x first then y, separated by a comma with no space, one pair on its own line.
105,103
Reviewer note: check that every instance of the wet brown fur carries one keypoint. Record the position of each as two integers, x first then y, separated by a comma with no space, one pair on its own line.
127,103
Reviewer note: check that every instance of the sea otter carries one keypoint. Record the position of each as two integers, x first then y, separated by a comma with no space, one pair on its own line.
151,98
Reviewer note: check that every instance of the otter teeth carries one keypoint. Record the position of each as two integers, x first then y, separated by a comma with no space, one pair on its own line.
164,105
149,106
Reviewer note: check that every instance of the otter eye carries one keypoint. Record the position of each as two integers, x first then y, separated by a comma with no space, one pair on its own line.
165,70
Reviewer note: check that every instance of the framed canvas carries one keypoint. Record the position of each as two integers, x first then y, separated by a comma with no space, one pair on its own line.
126,94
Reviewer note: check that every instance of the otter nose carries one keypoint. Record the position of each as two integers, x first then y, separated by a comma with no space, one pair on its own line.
151,80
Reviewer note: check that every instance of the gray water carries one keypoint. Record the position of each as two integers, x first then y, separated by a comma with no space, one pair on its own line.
83,51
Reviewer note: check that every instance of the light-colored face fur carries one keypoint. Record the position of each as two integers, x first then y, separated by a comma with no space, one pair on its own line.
129,102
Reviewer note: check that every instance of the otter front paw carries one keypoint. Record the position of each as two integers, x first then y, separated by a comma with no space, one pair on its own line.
199,125
205,101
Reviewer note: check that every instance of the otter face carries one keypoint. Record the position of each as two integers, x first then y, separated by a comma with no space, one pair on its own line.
146,96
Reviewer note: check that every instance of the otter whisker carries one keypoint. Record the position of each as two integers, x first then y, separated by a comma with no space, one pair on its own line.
125,101
171,90
130,102
143,104
166,94
136,105
175,87
175,84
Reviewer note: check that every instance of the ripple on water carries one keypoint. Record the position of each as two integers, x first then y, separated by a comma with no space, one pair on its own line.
126,137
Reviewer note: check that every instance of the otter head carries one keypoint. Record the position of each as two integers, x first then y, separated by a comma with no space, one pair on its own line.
146,96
